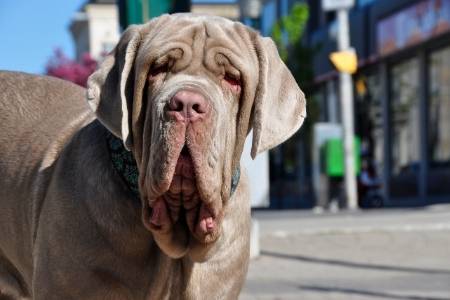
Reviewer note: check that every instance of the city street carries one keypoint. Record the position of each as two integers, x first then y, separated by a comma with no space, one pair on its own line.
384,254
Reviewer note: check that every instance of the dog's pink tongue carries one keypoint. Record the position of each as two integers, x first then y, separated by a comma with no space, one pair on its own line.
206,221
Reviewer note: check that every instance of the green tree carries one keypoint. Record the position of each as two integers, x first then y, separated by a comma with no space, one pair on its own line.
287,34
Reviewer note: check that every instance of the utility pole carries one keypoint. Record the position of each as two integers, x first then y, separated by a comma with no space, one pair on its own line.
345,61
346,91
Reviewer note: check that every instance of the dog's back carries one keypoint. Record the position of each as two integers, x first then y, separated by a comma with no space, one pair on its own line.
38,116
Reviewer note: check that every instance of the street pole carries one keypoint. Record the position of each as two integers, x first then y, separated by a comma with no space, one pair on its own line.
346,94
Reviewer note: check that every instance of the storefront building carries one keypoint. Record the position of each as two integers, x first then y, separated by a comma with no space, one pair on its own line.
402,92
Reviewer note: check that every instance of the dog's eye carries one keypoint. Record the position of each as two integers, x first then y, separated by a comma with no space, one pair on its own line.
233,81
157,70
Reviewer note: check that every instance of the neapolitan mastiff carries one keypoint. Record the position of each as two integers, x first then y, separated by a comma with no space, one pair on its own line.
81,217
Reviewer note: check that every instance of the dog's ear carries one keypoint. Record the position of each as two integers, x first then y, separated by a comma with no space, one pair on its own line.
280,106
110,88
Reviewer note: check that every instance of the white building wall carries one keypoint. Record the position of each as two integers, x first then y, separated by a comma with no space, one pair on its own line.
104,30
226,10
258,173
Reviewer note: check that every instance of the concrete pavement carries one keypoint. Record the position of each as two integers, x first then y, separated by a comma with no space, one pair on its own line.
384,254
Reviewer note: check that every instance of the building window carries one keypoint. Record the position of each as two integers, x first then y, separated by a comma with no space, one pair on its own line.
405,128
268,17
439,123
369,124
376,118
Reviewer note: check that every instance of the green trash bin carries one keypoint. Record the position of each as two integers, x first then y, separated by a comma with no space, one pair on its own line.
334,157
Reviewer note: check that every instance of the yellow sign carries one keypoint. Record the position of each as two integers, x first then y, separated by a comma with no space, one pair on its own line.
345,61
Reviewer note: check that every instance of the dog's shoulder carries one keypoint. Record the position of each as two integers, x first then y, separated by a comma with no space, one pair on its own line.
41,104
39,115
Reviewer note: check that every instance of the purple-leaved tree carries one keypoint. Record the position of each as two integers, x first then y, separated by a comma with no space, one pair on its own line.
59,65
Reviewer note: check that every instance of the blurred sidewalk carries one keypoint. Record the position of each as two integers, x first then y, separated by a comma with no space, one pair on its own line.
384,254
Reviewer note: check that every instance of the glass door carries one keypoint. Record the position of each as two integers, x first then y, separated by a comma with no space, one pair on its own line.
405,128
438,143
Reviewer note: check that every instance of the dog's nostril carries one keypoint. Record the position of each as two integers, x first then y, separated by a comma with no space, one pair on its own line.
176,105
184,151
196,107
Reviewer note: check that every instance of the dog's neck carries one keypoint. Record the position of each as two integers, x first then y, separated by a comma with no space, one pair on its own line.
125,165
123,162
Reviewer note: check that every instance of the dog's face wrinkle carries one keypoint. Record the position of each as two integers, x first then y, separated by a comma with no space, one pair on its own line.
179,55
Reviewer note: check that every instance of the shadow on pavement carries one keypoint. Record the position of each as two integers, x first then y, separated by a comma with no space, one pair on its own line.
322,289
355,264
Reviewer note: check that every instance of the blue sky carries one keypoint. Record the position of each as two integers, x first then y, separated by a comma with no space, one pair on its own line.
31,29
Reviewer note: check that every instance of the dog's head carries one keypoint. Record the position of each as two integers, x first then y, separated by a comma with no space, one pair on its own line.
182,92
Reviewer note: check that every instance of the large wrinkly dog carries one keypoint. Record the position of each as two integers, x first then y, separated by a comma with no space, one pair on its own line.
78,220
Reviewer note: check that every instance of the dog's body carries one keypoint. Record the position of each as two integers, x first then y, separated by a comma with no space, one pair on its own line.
71,228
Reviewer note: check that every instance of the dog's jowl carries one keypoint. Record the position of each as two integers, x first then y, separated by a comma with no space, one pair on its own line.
133,189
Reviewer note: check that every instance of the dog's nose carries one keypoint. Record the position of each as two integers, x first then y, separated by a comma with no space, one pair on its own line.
188,105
